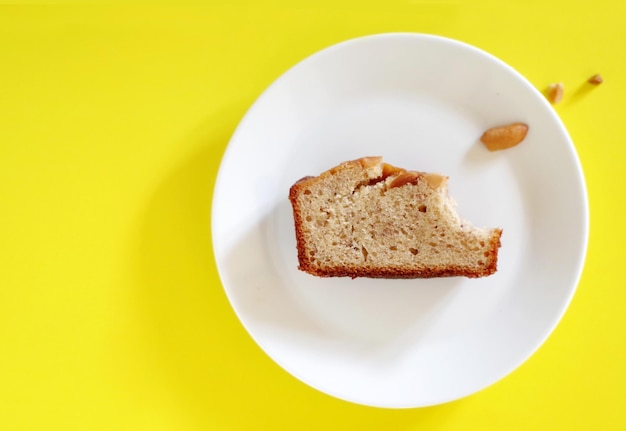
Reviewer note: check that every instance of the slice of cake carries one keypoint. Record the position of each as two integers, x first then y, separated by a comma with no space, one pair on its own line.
366,218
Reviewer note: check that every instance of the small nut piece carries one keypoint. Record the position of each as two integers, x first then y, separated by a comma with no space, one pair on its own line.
435,180
405,178
369,162
503,137
595,79
555,92
389,170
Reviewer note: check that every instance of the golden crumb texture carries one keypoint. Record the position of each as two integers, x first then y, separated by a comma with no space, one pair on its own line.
367,218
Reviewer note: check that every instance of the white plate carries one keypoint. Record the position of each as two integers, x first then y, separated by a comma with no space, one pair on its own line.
421,102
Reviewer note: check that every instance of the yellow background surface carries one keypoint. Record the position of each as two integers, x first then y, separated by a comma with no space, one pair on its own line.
113,122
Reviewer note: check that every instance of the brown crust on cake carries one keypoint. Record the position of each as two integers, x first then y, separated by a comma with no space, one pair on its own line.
303,259
395,273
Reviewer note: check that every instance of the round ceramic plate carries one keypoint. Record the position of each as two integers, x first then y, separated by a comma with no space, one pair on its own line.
421,102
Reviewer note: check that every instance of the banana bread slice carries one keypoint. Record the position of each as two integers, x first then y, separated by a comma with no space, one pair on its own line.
366,218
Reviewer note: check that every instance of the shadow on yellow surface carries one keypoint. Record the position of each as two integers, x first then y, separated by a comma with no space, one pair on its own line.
576,95
202,354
